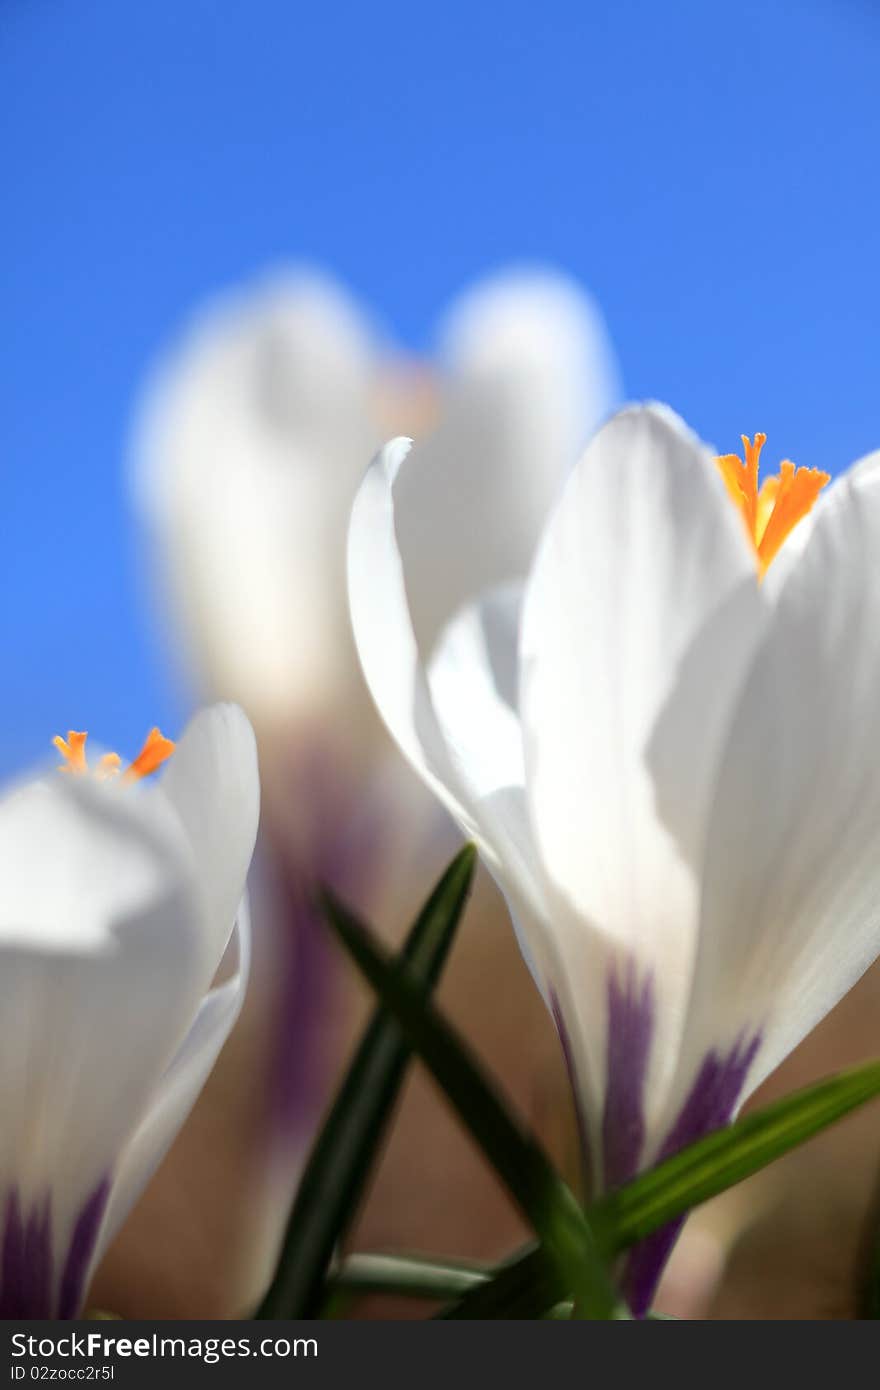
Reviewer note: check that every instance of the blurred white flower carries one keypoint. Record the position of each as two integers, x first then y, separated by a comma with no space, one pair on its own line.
249,450
255,435
118,903
664,745
250,445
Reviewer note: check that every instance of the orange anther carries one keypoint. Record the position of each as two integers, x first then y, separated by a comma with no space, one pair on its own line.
157,748
795,494
154,753
73,751
771,512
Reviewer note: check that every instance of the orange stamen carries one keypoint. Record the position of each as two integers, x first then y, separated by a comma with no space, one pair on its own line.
742,478
73,751
154,753
156,750
771,512
796,492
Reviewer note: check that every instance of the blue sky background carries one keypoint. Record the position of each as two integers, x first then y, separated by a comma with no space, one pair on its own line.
710,171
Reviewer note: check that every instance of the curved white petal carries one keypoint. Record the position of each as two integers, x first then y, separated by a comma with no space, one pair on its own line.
473,678
791,912
212,782
861,472
250,443
104,950
640,615
483,794
529,376
383,630
179,1087
543,333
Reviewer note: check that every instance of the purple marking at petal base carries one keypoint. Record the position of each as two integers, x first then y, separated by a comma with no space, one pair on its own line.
27,1268
341,850
709,1104
630,1030
26,1260
296,1083
80,1251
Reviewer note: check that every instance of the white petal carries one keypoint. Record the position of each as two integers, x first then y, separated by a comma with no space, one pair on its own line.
797,540
863,473
472,678
179,1087
545,335
250,445
104,951
643,581
383,630
213,784
530,374
481,789
792,876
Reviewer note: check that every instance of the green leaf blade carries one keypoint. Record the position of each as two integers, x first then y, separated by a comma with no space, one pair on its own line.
727,1156
343,1153
516,1157
409,1276
528,1285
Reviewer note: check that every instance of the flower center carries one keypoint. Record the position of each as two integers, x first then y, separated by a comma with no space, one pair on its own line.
155,751
772,511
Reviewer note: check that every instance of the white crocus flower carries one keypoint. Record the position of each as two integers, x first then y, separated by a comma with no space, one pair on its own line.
254,437
118,902
250,444
665,747
250,447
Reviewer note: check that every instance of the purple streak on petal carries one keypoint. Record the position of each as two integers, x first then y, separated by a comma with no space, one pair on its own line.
297,1079
630,1031
27,1267
645,1264
341,857
709,1105
713,1096
80,1251
26,1261
577,1094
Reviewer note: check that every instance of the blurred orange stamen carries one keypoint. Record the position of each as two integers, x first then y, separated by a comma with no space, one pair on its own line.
154,753
156,750
73,751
